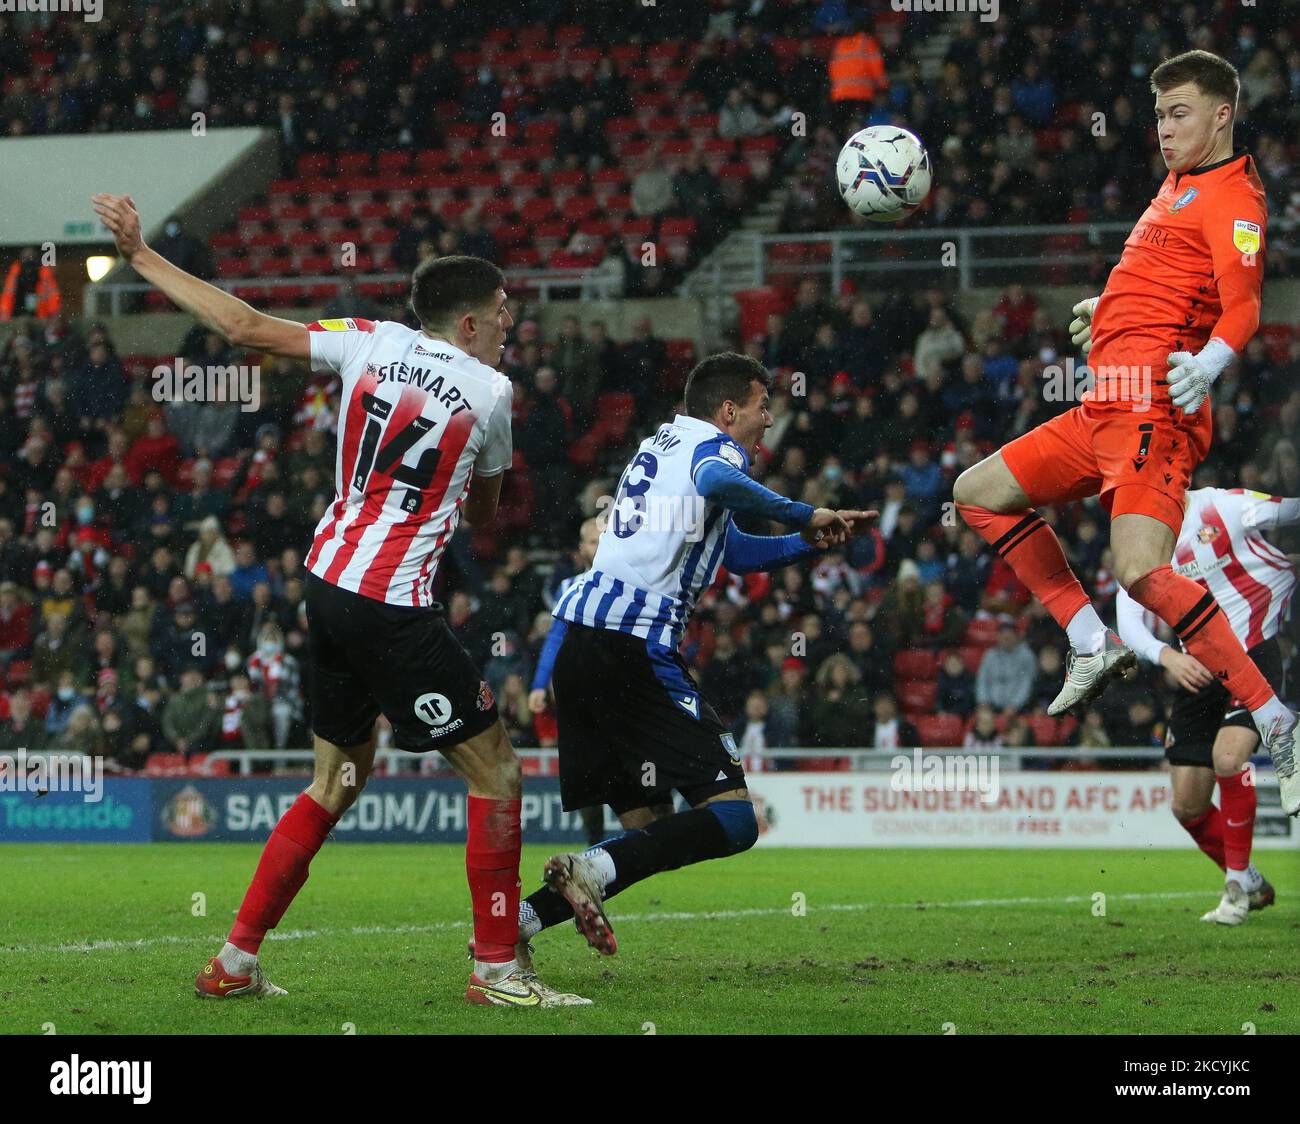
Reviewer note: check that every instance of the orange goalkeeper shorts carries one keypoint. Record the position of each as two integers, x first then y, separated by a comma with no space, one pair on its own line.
1138,463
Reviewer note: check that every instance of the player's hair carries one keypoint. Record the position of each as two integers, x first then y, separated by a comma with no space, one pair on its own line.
720,378
444,289
1211,74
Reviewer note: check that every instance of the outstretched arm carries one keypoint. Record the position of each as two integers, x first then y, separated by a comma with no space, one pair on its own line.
234,320
748,554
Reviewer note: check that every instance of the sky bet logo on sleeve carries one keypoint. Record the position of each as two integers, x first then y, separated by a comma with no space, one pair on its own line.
1245,236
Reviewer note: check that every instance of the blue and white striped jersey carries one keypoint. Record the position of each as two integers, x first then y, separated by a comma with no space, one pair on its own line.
663,542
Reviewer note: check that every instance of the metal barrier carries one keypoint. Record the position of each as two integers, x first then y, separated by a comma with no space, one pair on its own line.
859,760
594,285
975,257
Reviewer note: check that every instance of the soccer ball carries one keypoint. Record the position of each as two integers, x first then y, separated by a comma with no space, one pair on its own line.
883,173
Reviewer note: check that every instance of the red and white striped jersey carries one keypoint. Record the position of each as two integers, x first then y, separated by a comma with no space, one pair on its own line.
1221,545
417,418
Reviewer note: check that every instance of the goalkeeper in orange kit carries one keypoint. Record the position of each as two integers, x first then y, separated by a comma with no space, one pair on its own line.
1180,305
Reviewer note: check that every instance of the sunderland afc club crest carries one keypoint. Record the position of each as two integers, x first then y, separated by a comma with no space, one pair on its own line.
1182,201
485,697
1207,534
188,815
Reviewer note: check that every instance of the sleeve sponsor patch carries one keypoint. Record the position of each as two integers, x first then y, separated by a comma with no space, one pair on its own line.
732,455
1245,236
348,325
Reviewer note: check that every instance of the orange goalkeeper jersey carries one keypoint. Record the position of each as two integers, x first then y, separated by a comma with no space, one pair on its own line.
1192,269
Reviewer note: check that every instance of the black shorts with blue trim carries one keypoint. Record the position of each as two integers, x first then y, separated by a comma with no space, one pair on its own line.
633,726
1197,716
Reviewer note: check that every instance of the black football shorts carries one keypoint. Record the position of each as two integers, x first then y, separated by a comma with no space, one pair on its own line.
633,726
1197,716
369,657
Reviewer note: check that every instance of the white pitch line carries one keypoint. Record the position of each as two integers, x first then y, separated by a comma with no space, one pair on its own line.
708,915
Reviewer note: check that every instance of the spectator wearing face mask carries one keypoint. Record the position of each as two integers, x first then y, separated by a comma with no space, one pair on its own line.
275,675
182,249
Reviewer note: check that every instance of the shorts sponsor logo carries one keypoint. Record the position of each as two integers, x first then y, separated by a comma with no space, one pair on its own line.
1245,236
188,814
433,709
438,731
1185,198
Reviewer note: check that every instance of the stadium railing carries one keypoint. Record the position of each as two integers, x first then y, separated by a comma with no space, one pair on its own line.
543,282
977,256
398,762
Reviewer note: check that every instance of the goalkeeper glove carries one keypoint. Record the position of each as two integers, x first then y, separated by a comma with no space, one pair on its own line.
1081,325
1191,376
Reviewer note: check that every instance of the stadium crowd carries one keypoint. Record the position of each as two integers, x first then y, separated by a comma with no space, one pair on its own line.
152,555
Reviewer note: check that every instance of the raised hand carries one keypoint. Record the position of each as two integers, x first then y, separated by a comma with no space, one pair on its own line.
118,213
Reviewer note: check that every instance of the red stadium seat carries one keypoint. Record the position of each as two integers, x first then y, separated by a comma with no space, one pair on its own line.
917,663
315,164
523,257
550,236
512,234
618,205
982,632
537,210
1047,731
597,228
939,730
18,674
916,696
579,207
353,163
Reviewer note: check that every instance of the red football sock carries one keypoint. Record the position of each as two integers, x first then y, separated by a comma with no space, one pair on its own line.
492,864
281,871
1208,833
1030,547
1237,799
1194,615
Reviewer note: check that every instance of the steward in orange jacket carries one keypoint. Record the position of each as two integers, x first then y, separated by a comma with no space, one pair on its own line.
28,281
857,68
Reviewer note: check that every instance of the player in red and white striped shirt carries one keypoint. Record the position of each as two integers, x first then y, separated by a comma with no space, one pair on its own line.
1221,546
424,435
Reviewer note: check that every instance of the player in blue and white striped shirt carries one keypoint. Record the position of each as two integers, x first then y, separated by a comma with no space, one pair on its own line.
633,727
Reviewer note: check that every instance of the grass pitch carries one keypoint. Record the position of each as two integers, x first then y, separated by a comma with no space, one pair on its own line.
107,939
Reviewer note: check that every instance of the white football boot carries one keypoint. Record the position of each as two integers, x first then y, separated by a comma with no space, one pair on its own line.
1086,677
1233,906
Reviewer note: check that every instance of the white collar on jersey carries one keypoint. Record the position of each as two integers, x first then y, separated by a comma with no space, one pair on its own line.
427,339
688,422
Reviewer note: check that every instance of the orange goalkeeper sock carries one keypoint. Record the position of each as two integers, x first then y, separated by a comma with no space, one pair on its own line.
1030,547
1193,614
